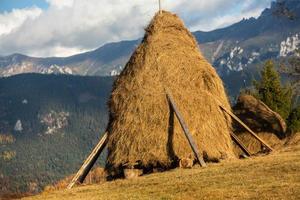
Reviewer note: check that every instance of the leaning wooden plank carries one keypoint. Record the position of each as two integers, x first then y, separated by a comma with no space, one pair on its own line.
245,126
186,131
89,162
240,144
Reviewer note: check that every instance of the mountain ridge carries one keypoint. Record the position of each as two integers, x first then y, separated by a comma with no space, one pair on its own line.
263,35
237,52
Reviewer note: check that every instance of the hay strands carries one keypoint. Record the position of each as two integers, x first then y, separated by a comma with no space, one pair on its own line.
89,162
246,127
186,131
240,144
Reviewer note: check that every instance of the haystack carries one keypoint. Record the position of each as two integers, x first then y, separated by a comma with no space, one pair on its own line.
258,116
142,128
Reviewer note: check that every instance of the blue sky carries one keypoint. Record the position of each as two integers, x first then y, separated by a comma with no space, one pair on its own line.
8,5
66,27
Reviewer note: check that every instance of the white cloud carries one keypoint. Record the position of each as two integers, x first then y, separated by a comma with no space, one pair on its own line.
57,50
226,20
15,18
213,14
72,26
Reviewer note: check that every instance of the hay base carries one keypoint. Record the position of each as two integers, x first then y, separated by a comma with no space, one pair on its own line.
254,146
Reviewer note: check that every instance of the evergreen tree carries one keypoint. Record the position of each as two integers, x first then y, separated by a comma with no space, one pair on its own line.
294,121
272,93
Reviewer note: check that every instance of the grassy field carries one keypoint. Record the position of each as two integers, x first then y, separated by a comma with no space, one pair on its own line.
275,176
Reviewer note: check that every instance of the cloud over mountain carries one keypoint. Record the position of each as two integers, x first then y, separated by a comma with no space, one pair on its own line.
71,26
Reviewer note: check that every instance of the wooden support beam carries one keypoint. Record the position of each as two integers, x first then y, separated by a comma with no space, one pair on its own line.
240,144
186,131
159,4
246,127
89,162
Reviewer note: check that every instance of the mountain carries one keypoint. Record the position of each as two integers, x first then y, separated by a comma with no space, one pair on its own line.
100,62
236,51
48,125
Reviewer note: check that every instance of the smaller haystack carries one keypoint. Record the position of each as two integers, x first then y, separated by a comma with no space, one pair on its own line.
142,128
258,116
268,124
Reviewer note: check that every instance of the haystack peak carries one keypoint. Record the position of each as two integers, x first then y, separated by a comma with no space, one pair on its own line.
164,20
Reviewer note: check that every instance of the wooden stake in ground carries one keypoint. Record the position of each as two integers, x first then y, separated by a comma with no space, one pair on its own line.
246,127
240,144
186,131
89,162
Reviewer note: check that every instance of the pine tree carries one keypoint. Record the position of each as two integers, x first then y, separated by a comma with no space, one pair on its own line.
272,93
294,121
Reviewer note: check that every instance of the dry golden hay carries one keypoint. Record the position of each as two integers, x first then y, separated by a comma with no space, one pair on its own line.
132,173
255,146
141,127
293,140
186,163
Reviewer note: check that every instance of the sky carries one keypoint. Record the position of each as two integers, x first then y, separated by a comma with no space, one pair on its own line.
44,28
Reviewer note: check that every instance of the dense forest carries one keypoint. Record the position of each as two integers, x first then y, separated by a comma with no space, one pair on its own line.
48,125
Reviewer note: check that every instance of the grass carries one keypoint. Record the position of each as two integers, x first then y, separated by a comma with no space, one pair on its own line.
275,176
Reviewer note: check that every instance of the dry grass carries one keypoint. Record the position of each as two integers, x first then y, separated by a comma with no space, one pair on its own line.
142,129
276,176
96,175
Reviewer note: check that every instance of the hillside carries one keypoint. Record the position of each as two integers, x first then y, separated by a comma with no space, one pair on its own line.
48,124
274,176
235,51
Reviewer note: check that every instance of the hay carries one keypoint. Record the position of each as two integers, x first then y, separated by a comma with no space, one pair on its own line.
141,128
293,140
258,116
254,146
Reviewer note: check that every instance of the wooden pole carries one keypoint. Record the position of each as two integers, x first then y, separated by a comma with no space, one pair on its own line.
159,4
240,144
89,162
246,127
186,131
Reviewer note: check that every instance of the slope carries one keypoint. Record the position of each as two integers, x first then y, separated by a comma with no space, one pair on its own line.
48,124
275,176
